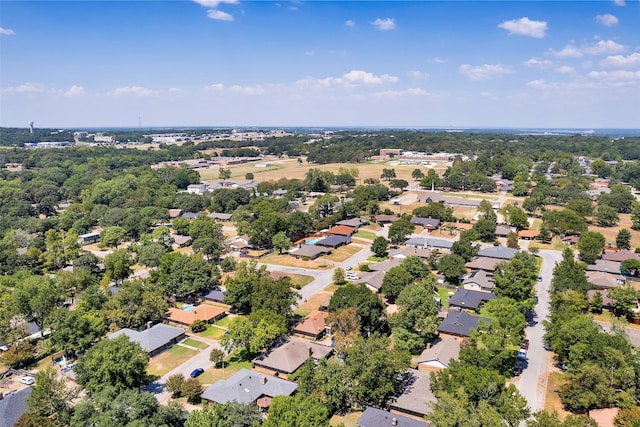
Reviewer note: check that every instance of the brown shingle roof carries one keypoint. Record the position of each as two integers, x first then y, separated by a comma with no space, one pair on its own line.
313,324
341,230
291,355
202,312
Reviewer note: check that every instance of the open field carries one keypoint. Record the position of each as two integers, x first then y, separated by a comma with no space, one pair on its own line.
168,360
344,252
288,260
610,233
239,171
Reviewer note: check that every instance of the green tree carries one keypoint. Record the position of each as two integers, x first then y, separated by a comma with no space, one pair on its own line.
217,357
595,306
631,266
339,276
191,389
35,297
431,180
565,221
183,275
623,239
239,335
118,265
399,230
388,174
248,176
544,235
51,396
136,303
112,236
452,267
606,216
569,274
635,216
627,417
396,279
625,299
174,385
231,414
417,174
116,362
367,304
345,327
416,267
224,173
297,411
281,242
72,331
398,183
516,217
512,241
515,278
590,245
464,248
379,247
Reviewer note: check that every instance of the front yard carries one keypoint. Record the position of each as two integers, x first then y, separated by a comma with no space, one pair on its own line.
169,359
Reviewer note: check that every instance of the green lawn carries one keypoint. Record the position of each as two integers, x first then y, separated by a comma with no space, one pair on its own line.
212,332
443,293
376,258
224,322
300,280
364,234
195,343
168,360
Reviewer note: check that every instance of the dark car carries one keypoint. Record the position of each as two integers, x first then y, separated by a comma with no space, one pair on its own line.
196,372
525,344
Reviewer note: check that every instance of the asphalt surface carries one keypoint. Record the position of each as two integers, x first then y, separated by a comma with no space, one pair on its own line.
533,380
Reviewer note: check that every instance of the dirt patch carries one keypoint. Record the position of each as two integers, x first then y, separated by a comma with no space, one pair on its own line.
288,260
552,401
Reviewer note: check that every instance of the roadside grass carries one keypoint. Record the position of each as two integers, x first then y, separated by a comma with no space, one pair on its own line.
195,343
169,359
552,401
290,261
606,317
212,332
349,420
300,280
376,258
313,303
364,234
343,253
213,375
224,322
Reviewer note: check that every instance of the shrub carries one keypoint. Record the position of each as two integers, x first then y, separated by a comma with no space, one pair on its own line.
198,326
174,385
217,357
228,264
191,389
364,267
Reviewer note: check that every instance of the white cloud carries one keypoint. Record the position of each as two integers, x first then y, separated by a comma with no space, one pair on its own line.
538,63
25,88
621,60
214,3
616,77
484,72
525,27
601,48
133,90
384,24
351,79
565,69
608,20
414,91
417,75
215,86
75,91
538,84
219,15
248,90
619,2
440,60
7,31
350,23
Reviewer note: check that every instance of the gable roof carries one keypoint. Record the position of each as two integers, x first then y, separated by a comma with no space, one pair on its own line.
460,323
441,350
310,251
353,222
372,417
481,278
467,298
417,241
620,256
433,197
334,240
372,279
425,222
313,324
483,263
604,280
605,266
246,386
341,230
504,230
500,252
386,218
528,234
204,312
408,251
153,338
416,394
220,216
439,243
13,406
291,354
385,265
215,295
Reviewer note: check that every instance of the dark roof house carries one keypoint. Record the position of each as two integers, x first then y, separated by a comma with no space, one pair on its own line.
372,417
309,251
290,355
459,324
334,241
13,406
246,386
500,252
353,222
429,223
483,263
479,280
470,299
416,395
155,339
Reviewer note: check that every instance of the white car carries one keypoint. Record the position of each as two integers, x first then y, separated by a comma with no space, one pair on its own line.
27,380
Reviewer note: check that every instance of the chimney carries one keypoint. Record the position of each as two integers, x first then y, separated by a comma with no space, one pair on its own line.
263,380
394,421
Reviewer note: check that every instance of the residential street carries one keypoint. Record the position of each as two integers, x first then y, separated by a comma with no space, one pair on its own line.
533,380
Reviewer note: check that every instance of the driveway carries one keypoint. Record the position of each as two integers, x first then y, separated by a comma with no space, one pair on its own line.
532,382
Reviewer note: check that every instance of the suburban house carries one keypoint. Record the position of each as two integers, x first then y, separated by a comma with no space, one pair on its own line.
604,417
470,299
309,251
175,213
479,281
459,324
180,240
438,355
216,295
287,357
383,219
528,234
220,216
197,188
570,240
372,417
353,222
483,263
13,406
240,244
205,312
340,230
427,223
416,395
372,280
605,266
620,256
334,241
504,230
190,215
604,280
246,386
499,252
155,339
433,197
89,238
385,265
312,326
439,243
408,251
417,242
606,299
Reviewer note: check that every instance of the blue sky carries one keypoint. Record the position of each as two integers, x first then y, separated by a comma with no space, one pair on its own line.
549,64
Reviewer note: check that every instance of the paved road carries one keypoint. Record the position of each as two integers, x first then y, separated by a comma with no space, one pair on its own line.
533,380
200,360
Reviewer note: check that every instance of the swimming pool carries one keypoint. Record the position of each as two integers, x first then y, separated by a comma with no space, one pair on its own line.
312,241
188,307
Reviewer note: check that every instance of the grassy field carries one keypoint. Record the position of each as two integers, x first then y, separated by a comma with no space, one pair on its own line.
343,253
552,401
212,332
314,303
288,260
194,343
168,360
300,280
349,420
364,234
213,375
610,233
224,322
239,171
443,293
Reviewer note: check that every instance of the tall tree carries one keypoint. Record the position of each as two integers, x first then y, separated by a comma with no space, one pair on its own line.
379,247
590,245
52,396
399,230
623,239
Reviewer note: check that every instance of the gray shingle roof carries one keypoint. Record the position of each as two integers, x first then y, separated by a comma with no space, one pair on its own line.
247,386
481,278
500,252
442,351
425,222
373,417
416,395
459,323
483,263
470,299
310,251
372,279
385,265
290,355
334,240
417,241
439,243
153,338
13,406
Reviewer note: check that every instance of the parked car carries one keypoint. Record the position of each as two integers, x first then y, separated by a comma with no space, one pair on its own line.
525,344
27,380
196,372
539,278
348,268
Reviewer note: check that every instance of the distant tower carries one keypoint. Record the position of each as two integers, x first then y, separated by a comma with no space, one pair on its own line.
31,127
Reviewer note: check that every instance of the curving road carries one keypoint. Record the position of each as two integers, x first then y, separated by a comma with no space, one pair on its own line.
532,382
